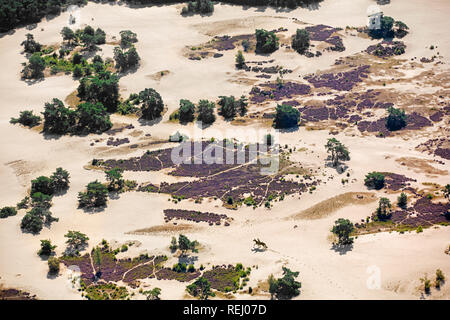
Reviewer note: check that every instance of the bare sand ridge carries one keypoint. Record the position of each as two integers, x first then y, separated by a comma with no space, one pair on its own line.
297,230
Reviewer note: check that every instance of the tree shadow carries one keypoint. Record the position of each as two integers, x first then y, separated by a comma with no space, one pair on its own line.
7,33
342,249
114,195
129,71
340,168
51,275
145,122
256,250
187,259
31,82
93,210
202,125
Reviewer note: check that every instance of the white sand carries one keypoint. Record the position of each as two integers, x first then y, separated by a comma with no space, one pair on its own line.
163,35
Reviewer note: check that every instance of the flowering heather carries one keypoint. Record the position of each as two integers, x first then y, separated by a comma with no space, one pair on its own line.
341,81
274,91
196,216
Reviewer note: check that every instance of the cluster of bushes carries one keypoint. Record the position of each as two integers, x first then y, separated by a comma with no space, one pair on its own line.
286,287
286,117
6,212
266,41
181,267
183,244
300,41
187,111
229,106
35,67
199,6
374,180
390,28
126,59
102,88
42,190
200,288
88,37
86,118
95,196
46,57
127,38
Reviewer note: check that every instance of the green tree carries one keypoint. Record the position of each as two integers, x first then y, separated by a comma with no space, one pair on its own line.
30,45
68,35
103,88
228,107
286,116
184,244
200,288
115,178
338,151
374,180
266,41
384,209
35,219
342,229
46,248
242,105
152,294
77,71
300,41
76,239
127,38
396,119
39,199
126,59
95,196
57,118
286,287
35,67
401,29
42,184
132,57
92,118
205,111
152,104
173,245
446,191
27,118
240,60
402,200
186,111
60,179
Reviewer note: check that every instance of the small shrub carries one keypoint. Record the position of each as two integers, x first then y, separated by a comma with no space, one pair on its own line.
27,118
7,212
53,265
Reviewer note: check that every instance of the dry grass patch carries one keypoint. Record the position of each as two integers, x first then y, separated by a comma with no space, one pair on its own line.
327,207
420,165
163,229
